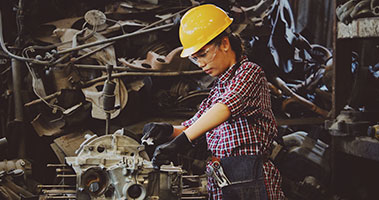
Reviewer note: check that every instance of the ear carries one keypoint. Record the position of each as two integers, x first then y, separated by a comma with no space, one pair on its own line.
225,44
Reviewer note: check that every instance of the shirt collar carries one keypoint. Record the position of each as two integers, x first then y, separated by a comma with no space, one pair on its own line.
231,70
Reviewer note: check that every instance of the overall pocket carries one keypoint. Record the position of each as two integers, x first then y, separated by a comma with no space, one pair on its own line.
246,176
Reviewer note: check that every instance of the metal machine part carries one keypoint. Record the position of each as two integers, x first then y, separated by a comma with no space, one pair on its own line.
215,170
18,164
117,167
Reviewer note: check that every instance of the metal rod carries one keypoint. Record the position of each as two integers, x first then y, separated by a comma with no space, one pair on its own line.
58,170
100,67
115,38
57,165
66,175
51,96
108,114
193,176
92,52
60,197
59,191
121,74
55,186
108,117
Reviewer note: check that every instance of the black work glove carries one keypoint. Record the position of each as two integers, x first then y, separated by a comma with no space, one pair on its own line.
159,132
165,153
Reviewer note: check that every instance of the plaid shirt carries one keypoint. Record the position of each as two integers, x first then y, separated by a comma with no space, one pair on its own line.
250,129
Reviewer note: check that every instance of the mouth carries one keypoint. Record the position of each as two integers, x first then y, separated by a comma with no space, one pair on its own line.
208,71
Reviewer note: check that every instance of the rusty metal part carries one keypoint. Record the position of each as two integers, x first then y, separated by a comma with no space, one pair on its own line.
66,145
74,60
69,143
343,11
298,99
45,126
156,62
374,5
104,54
46,98
115,38
95,96
360,9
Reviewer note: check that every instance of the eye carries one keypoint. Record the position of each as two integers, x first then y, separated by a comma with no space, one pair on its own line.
202,55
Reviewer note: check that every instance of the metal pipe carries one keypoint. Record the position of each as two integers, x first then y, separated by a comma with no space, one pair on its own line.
121,74
66,175
57,191
115,38
108,98
57,165
55,186
17,83
91,53
46,98
60,197
100,67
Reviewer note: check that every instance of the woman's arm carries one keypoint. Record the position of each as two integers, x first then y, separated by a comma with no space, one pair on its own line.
216,115
178,130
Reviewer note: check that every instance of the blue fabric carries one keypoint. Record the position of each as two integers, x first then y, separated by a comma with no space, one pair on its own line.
246,175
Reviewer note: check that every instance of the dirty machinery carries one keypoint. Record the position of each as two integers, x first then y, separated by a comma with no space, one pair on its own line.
117,167
78,64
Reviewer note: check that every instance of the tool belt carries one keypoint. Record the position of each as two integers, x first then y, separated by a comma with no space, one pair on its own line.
236,169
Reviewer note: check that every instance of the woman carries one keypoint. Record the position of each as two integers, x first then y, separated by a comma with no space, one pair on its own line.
236,116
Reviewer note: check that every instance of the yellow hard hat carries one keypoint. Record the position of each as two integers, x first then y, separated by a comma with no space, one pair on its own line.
200,25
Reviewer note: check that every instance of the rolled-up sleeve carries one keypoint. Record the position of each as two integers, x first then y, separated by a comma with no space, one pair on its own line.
242,95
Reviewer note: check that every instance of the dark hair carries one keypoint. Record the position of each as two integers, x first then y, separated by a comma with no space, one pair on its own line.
235,42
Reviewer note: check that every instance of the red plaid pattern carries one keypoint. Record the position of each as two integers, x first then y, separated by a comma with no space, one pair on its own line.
251,128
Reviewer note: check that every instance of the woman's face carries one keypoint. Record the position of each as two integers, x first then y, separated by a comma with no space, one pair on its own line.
214,59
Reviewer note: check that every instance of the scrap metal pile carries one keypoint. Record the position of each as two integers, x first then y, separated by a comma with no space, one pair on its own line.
77,71
354,9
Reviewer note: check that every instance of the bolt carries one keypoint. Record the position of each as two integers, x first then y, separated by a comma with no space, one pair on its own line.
94,187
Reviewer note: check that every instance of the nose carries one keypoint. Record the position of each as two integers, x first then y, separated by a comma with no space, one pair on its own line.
201,64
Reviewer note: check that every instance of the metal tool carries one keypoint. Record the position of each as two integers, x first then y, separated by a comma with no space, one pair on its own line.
148,141
215,171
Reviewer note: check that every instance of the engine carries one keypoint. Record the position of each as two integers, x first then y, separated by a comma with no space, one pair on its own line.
116,166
